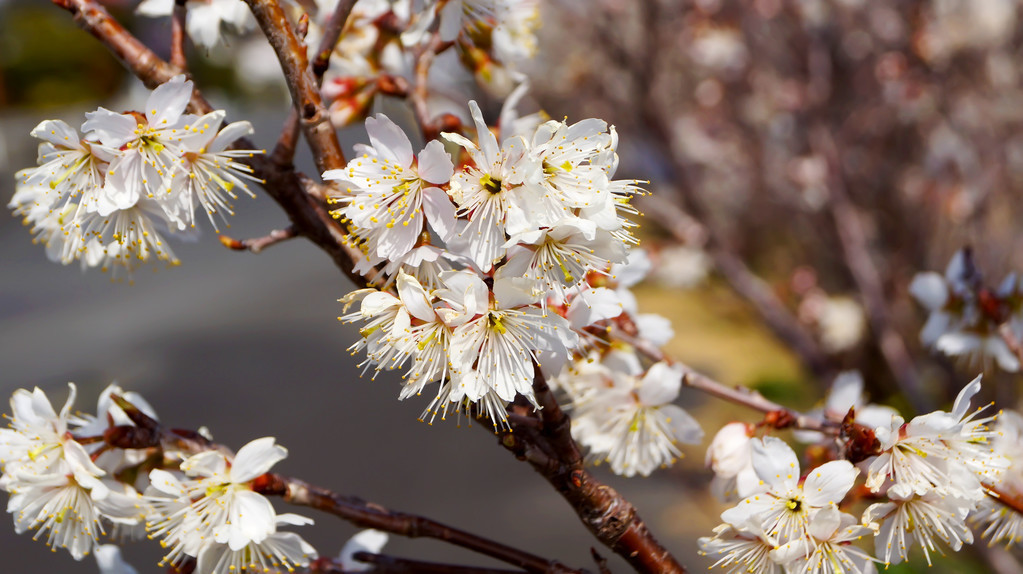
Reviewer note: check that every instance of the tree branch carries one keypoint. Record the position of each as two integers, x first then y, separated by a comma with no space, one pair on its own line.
177,51
284,152
307,213
553,453
368,515
383,564
305,92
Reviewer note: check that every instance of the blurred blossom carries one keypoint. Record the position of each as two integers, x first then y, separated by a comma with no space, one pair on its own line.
681,267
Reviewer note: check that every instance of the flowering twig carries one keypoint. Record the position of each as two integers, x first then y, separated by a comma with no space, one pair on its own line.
368,515
307,213
781,417
258,244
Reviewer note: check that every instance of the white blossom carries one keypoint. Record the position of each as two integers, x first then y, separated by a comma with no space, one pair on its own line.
782,505
205,19
633,425
391,196
831,531
365,541
213,514
925,519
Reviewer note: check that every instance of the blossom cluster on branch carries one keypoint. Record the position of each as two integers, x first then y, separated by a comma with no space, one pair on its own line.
106,198
930,480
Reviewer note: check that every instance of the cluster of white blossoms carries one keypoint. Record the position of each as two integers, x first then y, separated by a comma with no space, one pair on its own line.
106,198
966,316
513,262
934,475
624,414
207,510
69,482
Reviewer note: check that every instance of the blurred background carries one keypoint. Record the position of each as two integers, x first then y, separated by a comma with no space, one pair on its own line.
784,141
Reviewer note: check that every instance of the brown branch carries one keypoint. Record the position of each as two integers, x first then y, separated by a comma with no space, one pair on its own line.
610,517
331,34
177,51
258,244
305,92
368,515
284,152
553,453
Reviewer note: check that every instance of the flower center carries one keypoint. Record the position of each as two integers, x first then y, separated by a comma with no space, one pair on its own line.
490,184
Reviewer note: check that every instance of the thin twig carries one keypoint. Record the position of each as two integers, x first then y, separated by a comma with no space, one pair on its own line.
368,515
737,394
284,151
177,51
258,244
331,34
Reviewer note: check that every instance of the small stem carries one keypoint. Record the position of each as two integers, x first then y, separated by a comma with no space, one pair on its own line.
258,244
331,34
738,395
1010,501
177,52
423,60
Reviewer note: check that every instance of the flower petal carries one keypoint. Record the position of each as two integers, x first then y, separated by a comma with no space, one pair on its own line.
256,458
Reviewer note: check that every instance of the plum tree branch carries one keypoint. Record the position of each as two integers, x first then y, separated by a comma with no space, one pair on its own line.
612,519
304,88
368,515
